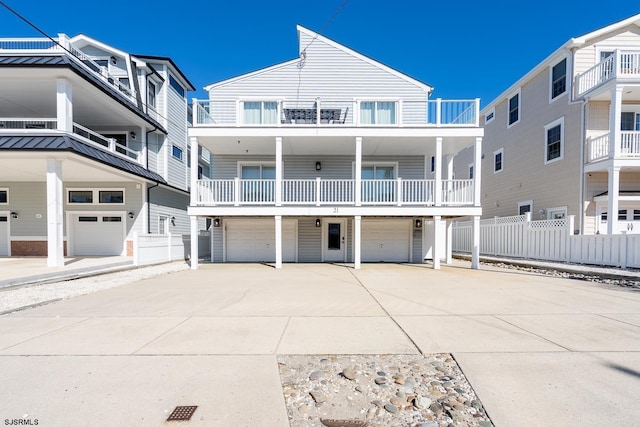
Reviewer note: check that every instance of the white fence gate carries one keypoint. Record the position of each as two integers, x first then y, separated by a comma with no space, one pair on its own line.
549,240
156,248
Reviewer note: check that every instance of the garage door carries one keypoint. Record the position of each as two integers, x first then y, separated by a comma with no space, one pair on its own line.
386,240
101,235
4,235
253,240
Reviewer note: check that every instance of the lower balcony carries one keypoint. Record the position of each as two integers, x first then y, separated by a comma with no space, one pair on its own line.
335,192
601,147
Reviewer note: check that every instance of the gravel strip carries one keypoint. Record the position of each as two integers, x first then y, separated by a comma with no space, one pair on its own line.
378,391
32,296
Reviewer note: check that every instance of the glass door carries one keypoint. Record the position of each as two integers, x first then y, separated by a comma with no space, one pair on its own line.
334,240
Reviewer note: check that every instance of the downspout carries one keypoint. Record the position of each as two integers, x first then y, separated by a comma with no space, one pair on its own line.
149,207
583,132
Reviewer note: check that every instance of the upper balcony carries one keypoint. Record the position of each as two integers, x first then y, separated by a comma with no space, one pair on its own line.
622,66
62,46
333,112
604,147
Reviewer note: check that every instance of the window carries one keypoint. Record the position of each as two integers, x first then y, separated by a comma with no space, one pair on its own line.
554,144
111,197
622,214
378,184
88,219
377,172
514,109
559,79
630,121
177,86
557,213
636,214
524,207
471,171
489,117
200,172
4,197
176,152
498,160
111,219
80,196
258,182
151,94
121,141
603,217
163,224
433,164
260,112
378,113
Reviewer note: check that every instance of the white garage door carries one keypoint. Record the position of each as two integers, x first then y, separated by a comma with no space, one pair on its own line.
253,240
4,235
101,235
386,240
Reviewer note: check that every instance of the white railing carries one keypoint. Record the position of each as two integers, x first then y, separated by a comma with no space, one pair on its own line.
108,143
13,123
322,192
630,143
621,64
335,112
599,147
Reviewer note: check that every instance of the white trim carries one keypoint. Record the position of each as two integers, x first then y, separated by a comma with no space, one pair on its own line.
525,203
95,196
7,190
517,93
501,152
566,80
547,127
69,223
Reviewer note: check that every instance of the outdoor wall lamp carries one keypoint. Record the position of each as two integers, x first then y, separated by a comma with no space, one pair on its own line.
14,215
318,166
131,215
541,213
132,135
216,222
173,220
318,222
418,223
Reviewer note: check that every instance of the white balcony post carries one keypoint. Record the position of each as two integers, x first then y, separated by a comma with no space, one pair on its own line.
438,111
64,105
477,112
438,172
612,208
399,191
55,240
195,189
194,243
475,249
357,246
449,256
278,192
318,191
477,172
437,242
450,187
358,172
278,223
318,109
615,117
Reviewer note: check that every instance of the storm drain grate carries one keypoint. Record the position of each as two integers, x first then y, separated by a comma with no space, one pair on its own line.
182,413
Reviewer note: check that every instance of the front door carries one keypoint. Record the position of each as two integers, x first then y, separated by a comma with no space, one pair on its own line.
334,240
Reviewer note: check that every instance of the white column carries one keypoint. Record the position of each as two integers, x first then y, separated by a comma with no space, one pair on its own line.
615,117
357,252
437,242
358,171
475,250
278,219
194,243
612,205
55,239
449,160
477,172
438,172
449,257
194,171
278,183
144,214
64,105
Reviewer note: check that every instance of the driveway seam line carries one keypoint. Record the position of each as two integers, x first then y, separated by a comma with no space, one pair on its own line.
48,332
537,335
282,335
160,336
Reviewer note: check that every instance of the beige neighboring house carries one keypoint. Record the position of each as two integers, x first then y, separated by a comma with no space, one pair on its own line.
565,138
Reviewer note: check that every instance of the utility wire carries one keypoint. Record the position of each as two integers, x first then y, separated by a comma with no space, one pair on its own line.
303,54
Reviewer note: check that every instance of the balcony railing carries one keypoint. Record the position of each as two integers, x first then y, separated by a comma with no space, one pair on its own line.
62,45
620,65
10,125
599,147
330,192
336,112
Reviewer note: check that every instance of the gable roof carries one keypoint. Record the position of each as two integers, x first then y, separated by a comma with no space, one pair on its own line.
559,53
316,36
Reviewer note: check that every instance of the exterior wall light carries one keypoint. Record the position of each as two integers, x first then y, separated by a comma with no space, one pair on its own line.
132,135
318,222
173,220
418,223
216,222
131,215
14,215
318,166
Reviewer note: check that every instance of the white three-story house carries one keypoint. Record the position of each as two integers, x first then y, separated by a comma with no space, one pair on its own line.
93,148
331,157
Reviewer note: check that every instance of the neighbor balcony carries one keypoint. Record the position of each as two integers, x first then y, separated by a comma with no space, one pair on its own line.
334,192
622,65
604,147
334,112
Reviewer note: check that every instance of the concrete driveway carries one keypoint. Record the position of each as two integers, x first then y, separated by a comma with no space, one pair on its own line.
538,350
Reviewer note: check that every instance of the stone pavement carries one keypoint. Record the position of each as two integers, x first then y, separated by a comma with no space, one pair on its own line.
538,350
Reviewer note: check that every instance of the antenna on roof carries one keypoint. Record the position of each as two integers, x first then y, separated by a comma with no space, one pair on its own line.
303,53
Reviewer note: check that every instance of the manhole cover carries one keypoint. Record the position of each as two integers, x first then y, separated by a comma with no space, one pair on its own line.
182,413
343,423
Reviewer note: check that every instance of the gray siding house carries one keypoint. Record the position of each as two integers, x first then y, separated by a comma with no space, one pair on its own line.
331,157
565,138
93,147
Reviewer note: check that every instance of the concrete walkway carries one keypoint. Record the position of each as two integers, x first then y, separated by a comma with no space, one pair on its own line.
538,350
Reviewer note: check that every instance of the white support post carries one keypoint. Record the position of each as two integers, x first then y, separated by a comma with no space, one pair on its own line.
612,208
278,221
55,238
449,257
195,189
357,237
358,172
236,191
615,118
64,105
278,183
438,172
144,213
437,242
318,191
477,172
399,191
475,250
194,243
142,158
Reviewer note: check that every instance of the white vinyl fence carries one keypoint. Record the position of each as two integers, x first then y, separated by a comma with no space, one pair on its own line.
156,248
549,240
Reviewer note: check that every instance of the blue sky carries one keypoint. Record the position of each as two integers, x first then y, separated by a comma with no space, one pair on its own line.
465,49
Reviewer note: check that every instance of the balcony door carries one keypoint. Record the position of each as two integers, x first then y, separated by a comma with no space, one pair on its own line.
334,240
258,183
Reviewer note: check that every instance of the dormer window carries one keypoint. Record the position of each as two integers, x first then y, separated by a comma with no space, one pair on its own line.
151,94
